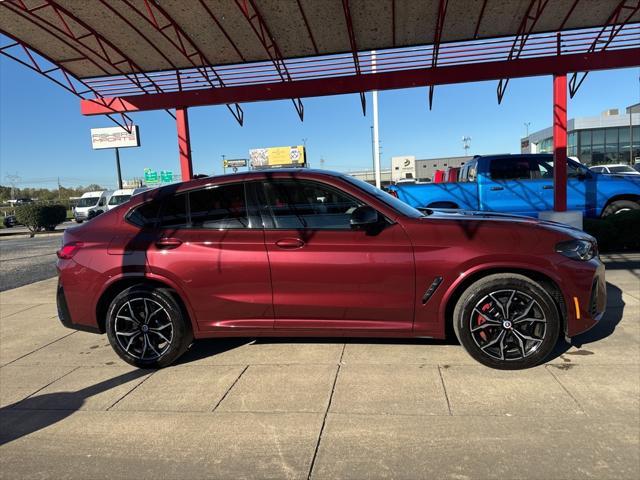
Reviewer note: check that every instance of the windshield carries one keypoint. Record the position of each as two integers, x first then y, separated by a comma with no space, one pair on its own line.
119,199
622,169
390,200
87,201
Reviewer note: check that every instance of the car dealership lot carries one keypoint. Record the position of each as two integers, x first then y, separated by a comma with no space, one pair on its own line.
322,408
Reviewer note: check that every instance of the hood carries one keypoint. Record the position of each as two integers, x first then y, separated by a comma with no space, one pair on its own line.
472,215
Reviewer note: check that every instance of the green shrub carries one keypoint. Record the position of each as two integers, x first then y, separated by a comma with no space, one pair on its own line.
36,216
616,232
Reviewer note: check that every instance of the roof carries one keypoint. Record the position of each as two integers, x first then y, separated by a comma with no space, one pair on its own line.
221,33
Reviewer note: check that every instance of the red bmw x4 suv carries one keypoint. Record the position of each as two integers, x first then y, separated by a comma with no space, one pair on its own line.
314,253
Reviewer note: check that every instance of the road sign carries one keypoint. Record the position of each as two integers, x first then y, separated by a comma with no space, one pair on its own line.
166,176
240,162
150,176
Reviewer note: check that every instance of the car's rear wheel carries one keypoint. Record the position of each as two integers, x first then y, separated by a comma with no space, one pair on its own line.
620,206
147,328
507,321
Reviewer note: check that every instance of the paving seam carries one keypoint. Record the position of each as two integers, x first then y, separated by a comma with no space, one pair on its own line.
136,386
230,388
40,348
326,414
444,388
17,407
566,390
21,311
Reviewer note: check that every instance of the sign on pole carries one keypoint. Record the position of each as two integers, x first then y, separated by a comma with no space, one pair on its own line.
114,137
166,176
240,162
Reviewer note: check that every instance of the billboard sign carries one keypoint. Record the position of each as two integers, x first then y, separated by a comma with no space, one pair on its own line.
294,156
114,137
240,162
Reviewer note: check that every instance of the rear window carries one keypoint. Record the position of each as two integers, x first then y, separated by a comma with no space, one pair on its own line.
510,169
146,215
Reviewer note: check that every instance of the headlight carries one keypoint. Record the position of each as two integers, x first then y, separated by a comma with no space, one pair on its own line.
578,249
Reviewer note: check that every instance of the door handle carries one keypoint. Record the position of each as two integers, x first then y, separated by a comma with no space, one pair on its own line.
496,188
290,243
548,187
166,243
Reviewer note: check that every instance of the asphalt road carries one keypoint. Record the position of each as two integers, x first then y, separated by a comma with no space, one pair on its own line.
25,260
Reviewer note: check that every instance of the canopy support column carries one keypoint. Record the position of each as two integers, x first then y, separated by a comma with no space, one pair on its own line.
560,142
184,144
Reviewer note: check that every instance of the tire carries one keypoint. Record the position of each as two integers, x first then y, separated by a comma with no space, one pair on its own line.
147,328
620,206
497,341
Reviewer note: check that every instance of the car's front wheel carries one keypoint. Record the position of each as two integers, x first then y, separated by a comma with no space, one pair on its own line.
147,328
507,321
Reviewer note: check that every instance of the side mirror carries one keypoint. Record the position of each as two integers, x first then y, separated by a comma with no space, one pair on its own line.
364,217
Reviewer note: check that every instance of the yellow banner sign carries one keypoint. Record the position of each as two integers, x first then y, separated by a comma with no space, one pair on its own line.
277,156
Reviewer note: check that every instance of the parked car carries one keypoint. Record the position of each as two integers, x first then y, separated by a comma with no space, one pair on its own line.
452,174
617,169
90,205
9,221
118,197
316,254
523,184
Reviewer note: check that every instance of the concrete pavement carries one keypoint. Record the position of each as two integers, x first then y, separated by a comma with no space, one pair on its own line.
317,408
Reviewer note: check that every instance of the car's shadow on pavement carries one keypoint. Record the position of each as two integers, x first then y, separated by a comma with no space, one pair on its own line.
605,327
53,407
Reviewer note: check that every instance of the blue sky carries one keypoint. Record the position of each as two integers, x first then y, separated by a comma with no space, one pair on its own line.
44,136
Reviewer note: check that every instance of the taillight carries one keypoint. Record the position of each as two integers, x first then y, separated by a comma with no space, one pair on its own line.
69,250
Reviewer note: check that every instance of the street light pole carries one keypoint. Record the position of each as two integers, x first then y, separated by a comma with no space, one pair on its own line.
118,168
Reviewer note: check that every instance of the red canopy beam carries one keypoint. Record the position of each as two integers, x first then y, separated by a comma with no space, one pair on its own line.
354,49
616,22
560,142
442,11
420,77
527,25
306,23
480,17
258,25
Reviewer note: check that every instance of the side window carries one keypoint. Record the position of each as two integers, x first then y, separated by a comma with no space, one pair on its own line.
219,207
307,205
146,215
472,172
174,212
510,169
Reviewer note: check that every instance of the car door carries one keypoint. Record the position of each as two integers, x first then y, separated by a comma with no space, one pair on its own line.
326,275
578,178
210,244
508,186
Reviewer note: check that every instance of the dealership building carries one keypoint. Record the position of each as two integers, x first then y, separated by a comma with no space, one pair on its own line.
612,137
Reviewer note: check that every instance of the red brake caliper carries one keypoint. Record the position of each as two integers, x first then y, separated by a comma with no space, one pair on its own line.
481,320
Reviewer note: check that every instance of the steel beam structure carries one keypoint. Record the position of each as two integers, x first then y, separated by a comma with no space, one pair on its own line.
442,11
531,17
158,19
258,25
381,80
184,144
88,39
560,142
620,17
58,75
354,49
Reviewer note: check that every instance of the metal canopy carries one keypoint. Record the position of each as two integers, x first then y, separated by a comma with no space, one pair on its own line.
218,32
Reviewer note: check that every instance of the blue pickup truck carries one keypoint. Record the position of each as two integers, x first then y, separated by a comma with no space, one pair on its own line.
523,184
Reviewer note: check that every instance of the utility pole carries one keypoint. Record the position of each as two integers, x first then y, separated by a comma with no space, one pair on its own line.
118,168
224,168
466,144
376,133
59,191
13,179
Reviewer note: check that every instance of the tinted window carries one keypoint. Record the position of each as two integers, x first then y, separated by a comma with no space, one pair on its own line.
146,215
119,199
510,169
174,212
310,205
219,207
